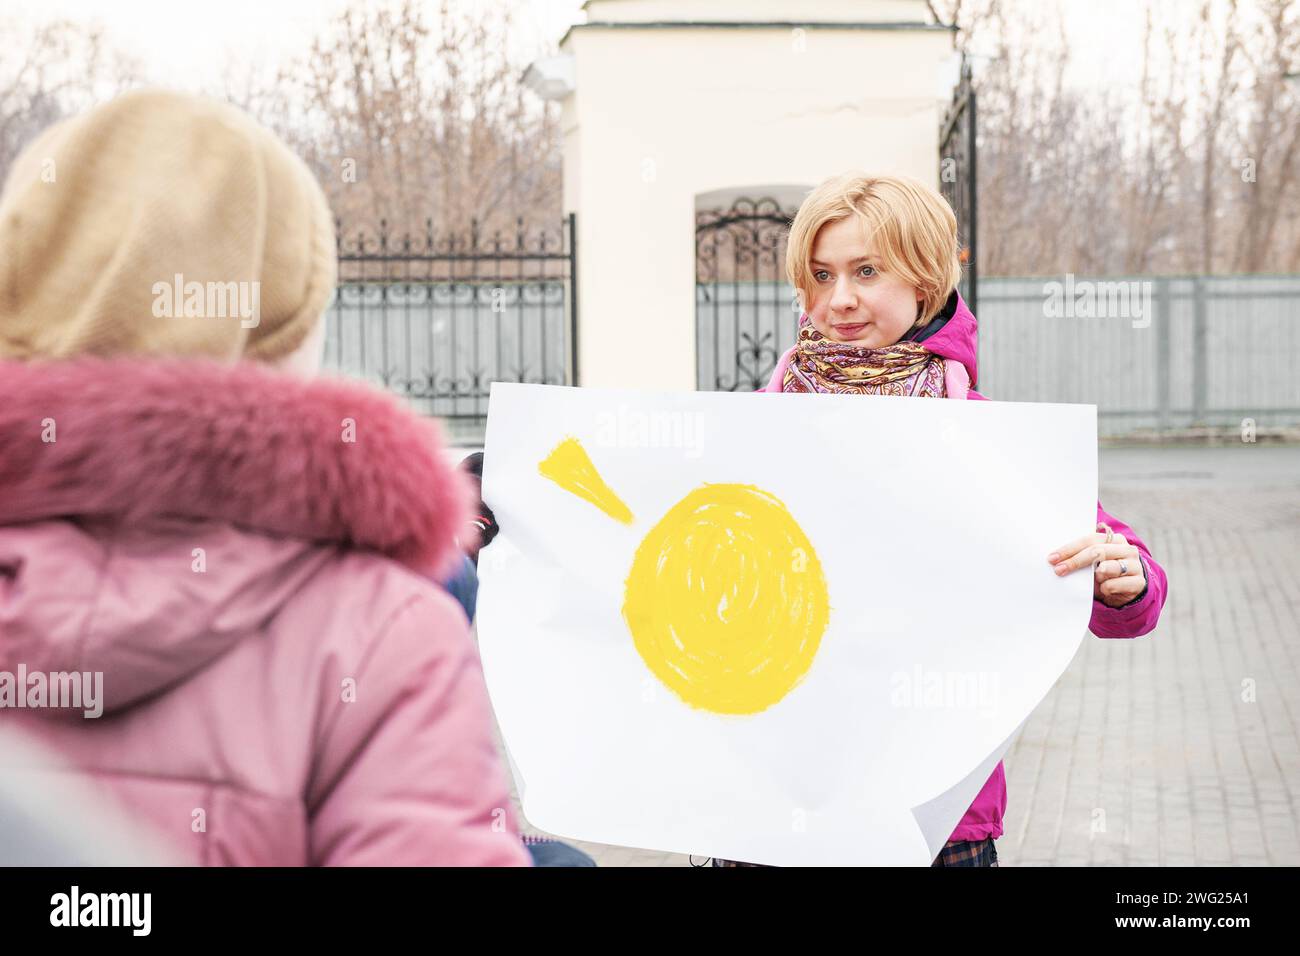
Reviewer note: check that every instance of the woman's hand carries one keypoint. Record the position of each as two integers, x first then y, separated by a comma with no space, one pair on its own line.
1118,573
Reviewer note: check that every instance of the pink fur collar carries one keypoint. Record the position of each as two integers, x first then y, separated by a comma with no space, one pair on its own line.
320,459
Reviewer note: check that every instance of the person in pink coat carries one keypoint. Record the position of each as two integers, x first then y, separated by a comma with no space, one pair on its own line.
215,569
875,260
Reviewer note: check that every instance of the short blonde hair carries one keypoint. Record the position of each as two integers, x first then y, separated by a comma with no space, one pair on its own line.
913,227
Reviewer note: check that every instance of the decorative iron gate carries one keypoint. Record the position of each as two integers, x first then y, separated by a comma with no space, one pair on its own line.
438,318
957,178
745,310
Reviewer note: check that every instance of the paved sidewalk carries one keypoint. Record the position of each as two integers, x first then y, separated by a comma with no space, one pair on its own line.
1181,747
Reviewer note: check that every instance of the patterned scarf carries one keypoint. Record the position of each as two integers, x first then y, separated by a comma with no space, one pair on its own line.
820,365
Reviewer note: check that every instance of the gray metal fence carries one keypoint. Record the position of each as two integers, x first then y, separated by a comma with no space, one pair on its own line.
1149,351
1210,350
1180,351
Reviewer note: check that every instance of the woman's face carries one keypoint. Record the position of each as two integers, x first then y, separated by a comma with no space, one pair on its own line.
853,301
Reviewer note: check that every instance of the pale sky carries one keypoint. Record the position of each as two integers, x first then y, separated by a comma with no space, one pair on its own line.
188,43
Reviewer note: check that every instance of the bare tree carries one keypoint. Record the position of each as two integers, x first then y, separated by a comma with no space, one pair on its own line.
1269,169
52,70
414,113
409,119
1146,178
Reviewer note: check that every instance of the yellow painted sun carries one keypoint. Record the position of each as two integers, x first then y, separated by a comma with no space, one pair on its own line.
726,599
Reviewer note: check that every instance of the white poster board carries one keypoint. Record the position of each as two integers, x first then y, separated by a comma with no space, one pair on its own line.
783,629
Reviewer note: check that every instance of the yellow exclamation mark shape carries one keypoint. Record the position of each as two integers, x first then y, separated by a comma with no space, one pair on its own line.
570,467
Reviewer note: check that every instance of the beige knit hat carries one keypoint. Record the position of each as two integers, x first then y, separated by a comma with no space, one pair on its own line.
161,223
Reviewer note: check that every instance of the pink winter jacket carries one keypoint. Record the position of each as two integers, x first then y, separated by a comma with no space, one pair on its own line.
242,554
957,343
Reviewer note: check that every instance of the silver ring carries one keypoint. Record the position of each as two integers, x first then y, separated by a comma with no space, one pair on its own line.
1123,568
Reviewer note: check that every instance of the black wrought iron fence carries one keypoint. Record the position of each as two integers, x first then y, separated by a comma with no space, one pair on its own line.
438,318
745,315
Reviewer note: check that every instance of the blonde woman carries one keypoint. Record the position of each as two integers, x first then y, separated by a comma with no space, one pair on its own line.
875,261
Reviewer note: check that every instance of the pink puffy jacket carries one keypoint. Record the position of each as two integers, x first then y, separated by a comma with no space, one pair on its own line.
242,556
